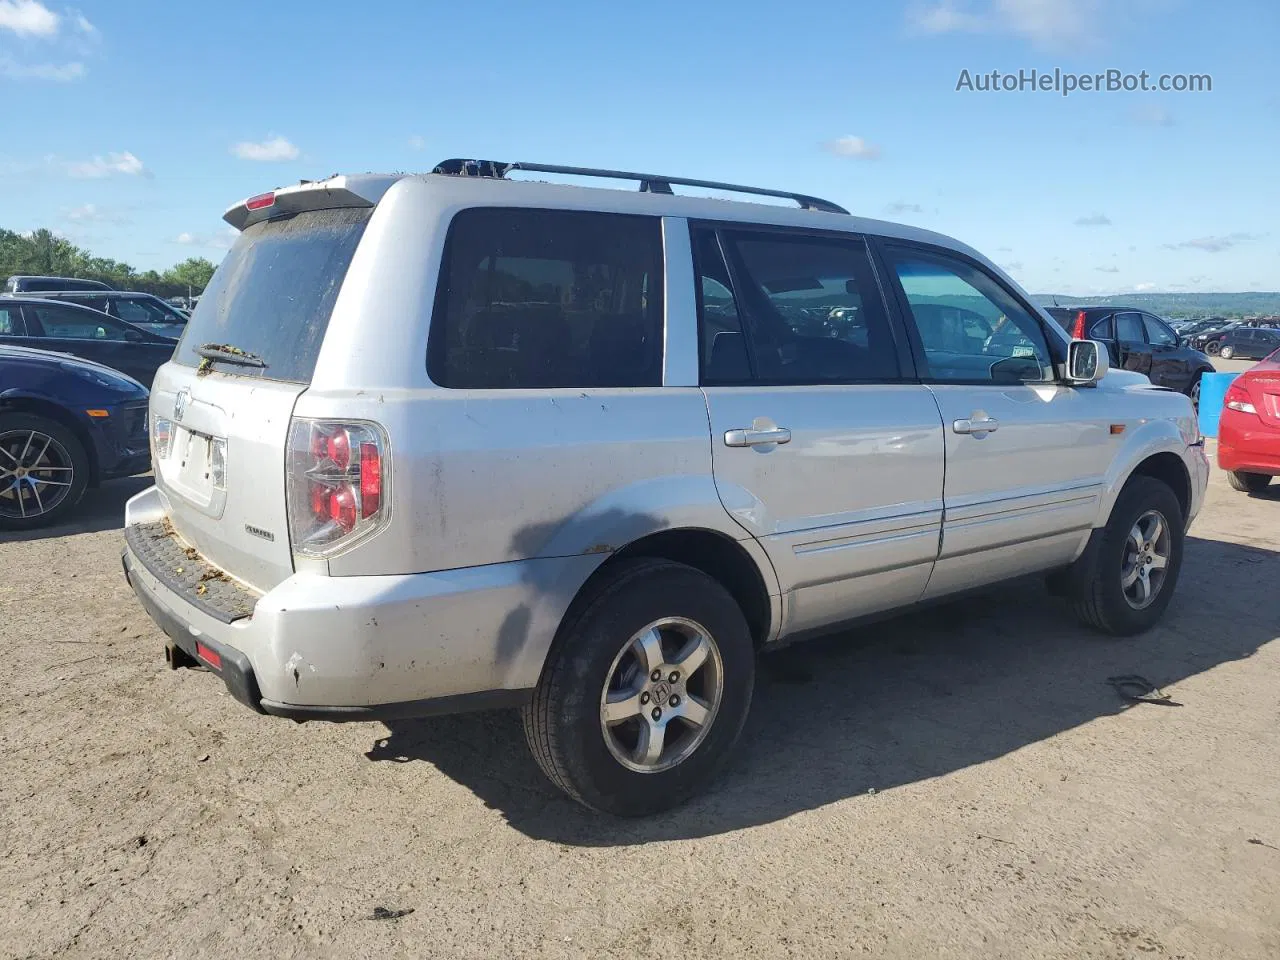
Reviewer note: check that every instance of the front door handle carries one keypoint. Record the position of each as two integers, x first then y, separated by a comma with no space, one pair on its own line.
755,438
980,427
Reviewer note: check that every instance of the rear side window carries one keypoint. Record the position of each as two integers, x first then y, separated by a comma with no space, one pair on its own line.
274,292
548,298
812,310
1129,328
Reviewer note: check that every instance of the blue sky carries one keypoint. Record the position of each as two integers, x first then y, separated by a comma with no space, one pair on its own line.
131,124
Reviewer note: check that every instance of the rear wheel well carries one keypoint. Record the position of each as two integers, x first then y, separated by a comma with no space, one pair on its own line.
44,408
1169,469
715,555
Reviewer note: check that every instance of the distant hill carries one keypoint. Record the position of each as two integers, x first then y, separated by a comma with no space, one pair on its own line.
1180,304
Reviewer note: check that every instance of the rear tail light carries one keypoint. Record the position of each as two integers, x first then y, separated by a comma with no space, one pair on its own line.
1078,331
338,473
161,438
1238,399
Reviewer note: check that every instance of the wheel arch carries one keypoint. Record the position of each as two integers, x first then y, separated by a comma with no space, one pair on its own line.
740,566
1158,450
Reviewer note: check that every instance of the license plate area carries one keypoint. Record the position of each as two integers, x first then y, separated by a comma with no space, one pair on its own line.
190,470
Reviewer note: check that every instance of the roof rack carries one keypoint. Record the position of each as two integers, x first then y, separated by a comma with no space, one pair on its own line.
649,182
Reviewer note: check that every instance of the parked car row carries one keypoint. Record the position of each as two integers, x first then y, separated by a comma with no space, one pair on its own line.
90,334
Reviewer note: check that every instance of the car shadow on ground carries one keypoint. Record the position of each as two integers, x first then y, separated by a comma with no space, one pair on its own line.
891,704
102,508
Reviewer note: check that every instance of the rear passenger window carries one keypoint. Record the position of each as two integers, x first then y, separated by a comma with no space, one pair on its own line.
812,310
1129,328
548,298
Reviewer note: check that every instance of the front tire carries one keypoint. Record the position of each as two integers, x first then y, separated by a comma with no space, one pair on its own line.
1125,579
1193,391
43,471
645,690
1227,352
1212,348
1248,482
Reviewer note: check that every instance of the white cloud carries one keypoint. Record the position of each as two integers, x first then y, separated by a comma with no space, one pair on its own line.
1094,220
1143,287
945,18
92,213
1043,22
83,25
417,143
125,164
27,18
222,240
851,146
1014,267
1107,269
271,150
60,72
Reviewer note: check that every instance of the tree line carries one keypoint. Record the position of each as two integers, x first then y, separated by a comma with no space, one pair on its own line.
44,253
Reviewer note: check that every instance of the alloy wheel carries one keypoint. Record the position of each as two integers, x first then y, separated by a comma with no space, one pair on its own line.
36,474
662,694
1147,551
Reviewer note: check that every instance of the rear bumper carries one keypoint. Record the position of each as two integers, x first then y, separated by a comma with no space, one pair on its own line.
367,648
1247,444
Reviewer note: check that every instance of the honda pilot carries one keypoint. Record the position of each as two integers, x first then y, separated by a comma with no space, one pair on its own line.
462,440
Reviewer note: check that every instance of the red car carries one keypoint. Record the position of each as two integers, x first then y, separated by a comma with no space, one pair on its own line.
1249,431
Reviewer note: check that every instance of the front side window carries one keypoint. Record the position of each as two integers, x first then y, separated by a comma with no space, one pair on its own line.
64,323
812,309
971,329
548,298
1158,333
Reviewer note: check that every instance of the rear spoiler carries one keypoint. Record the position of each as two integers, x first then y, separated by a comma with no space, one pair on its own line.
336,192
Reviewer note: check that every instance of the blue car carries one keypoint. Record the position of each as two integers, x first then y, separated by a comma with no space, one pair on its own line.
66,424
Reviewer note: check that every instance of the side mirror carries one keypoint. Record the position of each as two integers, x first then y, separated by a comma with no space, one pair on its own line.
1087,362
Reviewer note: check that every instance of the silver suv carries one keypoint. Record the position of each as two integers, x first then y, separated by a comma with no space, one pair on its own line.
452,441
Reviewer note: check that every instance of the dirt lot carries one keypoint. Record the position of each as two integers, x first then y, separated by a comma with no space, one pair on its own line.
963,783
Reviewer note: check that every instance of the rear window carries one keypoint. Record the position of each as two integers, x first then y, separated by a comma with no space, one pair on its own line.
274,293
548,298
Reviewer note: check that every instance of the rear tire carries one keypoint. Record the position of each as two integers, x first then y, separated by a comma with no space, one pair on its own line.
1248,482
1106,585
44,470
599,670
1227,352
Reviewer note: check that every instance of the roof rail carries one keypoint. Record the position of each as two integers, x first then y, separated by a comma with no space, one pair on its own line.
649,182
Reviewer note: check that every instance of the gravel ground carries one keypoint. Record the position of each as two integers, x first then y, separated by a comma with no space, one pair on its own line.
961,783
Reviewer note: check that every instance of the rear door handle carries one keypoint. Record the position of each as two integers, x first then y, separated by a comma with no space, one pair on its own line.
755,438
981,427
